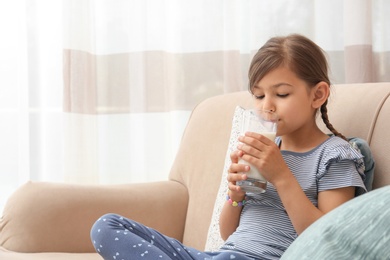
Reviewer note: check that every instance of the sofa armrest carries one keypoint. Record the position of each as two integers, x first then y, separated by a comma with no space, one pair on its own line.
53,217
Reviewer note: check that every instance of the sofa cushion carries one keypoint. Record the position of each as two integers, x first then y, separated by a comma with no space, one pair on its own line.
358,229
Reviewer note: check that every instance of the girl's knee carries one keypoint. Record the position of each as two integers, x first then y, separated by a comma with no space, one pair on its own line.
105,219
109,217
104,224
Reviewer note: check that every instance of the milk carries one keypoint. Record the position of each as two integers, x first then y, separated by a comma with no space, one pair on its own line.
253,173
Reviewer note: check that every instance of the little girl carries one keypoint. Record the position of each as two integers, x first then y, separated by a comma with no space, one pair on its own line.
308,172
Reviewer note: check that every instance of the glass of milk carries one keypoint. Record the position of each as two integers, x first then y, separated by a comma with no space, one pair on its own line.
264,123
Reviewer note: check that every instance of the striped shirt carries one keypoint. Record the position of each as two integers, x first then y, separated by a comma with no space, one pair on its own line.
265,230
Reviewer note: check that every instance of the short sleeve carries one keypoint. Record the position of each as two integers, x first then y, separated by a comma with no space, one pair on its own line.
341,166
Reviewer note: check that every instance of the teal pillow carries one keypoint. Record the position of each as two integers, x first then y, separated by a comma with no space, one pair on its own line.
358,229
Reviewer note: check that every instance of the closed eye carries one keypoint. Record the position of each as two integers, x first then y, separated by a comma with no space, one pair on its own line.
279,95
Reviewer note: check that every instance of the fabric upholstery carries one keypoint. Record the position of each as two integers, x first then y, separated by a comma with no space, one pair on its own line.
52,217
38,212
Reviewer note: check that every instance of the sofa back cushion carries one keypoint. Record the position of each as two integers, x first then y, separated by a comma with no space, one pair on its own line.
356,110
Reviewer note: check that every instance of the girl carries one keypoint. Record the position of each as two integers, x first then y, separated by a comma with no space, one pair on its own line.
308,172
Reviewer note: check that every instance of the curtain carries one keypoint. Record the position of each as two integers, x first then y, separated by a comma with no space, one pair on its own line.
99,91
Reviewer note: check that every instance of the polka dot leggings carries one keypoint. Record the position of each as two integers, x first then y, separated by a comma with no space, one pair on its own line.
117,238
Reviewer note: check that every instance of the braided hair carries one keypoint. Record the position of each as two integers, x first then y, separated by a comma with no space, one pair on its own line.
305,58
325,119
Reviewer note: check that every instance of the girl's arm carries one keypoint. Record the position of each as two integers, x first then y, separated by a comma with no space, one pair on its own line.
300,209
230,215
265,154
228,220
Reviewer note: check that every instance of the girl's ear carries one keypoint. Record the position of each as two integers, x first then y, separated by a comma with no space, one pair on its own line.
320,94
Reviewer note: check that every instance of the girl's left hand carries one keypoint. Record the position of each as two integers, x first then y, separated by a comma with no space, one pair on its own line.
264,154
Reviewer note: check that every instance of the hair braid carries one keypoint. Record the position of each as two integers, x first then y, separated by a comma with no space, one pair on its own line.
325,119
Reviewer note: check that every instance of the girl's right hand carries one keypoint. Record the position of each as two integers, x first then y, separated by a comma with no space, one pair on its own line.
234,175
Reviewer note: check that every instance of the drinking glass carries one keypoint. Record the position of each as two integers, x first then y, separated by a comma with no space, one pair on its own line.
263,122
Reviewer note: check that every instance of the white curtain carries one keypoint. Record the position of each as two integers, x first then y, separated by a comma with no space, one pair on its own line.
31,90
99,91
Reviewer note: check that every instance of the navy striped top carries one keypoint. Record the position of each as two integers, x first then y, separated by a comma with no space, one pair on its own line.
265,230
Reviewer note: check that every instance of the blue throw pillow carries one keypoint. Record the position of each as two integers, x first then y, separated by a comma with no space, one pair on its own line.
369,163
358,229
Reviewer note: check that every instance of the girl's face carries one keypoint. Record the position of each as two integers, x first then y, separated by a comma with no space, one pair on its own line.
284,93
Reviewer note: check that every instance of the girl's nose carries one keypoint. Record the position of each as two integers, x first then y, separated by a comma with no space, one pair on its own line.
268,105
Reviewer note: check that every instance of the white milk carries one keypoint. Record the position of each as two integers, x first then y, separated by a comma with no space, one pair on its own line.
253,173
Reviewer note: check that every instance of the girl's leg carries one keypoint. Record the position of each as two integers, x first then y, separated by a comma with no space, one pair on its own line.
115,237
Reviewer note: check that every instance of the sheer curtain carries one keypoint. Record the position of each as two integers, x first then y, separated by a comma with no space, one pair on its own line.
100,91
31,87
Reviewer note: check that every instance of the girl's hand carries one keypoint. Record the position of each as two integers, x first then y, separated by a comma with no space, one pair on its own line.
264,154
230,216
234,175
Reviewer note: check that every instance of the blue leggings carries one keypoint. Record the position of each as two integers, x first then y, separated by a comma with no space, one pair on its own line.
117,238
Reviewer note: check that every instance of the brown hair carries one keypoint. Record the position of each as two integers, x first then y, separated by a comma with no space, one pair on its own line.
305,58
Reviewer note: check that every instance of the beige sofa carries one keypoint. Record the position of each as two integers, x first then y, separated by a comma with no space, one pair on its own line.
52,221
